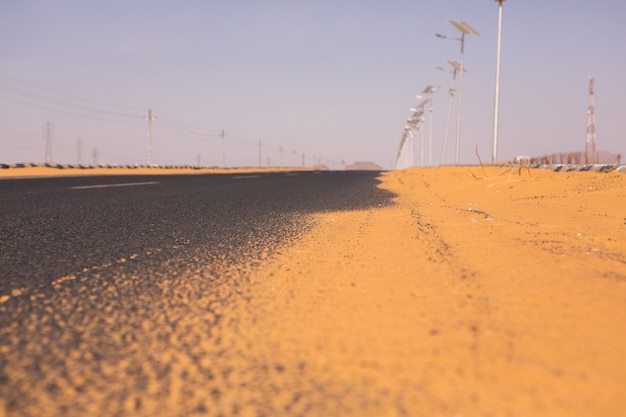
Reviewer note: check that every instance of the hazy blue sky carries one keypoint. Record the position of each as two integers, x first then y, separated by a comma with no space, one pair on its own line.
331,79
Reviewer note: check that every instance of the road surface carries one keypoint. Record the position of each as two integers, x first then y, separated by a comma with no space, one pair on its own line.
111,287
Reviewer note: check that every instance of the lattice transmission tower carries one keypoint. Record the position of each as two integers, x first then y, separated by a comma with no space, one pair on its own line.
591,156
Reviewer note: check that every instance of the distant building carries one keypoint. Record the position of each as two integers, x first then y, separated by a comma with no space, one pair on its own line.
363,166
321,167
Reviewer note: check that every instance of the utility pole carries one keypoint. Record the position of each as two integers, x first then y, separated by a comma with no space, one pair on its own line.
303,160
591,156
150,119
223,135
95,157
280,156
260,154
48,133
79,151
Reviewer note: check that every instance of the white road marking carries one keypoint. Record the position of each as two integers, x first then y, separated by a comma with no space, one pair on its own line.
124,184
292,174
242,177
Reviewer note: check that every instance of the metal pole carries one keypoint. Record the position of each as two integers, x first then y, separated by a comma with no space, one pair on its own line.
465,29
458,111
445,138
48,133
430,131
149,136
422,120
223,159
496,110
410,148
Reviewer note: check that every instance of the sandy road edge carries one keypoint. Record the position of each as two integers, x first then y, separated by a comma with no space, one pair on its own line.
473,295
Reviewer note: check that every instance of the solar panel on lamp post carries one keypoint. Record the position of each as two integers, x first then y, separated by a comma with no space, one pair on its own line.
496,107
421,105
465,29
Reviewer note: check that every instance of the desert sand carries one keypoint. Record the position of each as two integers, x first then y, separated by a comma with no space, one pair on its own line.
479,293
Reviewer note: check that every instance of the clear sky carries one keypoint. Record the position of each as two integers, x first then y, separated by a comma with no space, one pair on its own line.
332,80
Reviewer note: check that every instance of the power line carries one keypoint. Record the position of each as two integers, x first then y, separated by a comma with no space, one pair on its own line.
10,133
33,85
69,113
183,126
16,91
42,98
196,136
242,141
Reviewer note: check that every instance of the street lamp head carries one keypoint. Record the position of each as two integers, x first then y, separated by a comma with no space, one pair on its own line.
430,89
463,27
417,112
457,66
451,38
420,106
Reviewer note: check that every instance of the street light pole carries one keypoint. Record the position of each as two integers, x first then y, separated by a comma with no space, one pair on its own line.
465,29
411,156
496,110
459,106
416,118
422,159
445,138
429,90
456,67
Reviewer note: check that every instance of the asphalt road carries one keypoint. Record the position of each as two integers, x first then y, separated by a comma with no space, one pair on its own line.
111,288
